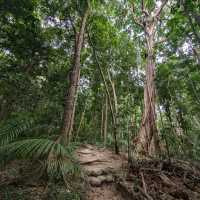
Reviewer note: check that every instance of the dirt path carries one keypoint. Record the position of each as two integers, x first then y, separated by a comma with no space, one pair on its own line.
100,166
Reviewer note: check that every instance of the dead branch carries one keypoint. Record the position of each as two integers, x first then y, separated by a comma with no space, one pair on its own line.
166,180
143,183
145,194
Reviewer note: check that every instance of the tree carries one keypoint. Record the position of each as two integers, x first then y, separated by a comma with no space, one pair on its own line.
148,142
74,73
74,76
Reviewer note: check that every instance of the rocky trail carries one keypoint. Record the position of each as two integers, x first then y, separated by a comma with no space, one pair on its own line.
100,166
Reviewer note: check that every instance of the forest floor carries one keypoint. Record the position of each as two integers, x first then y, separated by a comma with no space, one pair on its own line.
111,177
108,177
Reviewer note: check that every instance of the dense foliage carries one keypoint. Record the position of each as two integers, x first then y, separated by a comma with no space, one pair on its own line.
37,42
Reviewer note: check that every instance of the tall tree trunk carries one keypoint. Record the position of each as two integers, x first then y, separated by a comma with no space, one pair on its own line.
149,142
74,76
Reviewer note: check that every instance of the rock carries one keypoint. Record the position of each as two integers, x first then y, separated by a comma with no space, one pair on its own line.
94,181
97,181
95,172
109,178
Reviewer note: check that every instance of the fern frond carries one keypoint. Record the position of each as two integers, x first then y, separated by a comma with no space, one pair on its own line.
33,148
58,160
12,130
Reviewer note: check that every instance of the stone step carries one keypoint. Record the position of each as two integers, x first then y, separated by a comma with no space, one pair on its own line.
97,181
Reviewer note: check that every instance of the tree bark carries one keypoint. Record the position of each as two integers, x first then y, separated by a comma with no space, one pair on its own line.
74,76
148,135
148,140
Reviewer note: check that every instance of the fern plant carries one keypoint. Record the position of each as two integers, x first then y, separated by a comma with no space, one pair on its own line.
17,142
14,129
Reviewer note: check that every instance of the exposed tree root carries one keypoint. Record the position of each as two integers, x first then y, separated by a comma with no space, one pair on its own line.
161,180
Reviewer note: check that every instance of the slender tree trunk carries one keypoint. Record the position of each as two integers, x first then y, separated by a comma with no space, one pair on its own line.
115,112
105,122
165,138
81,122
114,93
102,120
74,76
109,97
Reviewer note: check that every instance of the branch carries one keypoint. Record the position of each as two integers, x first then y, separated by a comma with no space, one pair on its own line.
145,12
135,19
72,24
142,5
162,40
103,78
144,9
195,32
157,12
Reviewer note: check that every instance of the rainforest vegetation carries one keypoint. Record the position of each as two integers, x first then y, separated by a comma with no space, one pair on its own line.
99,99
